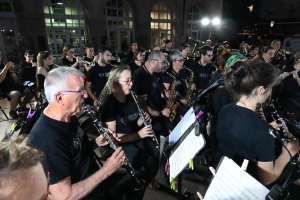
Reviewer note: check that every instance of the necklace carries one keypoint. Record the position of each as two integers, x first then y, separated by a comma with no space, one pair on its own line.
242,104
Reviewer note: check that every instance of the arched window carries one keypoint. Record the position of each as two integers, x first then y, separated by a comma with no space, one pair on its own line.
9,37
65,24
119,25
193,22
160,24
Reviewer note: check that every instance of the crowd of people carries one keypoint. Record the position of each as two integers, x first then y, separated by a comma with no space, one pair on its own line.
165,83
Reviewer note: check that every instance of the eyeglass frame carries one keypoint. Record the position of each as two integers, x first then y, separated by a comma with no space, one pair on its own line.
181,60
127,82
82,91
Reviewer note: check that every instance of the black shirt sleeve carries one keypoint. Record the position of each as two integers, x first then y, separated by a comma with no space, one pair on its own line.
107,110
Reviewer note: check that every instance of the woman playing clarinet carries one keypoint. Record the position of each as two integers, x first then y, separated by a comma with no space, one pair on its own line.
119,113
241,134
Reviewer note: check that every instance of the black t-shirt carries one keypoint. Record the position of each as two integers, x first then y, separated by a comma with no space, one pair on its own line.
98,76
65,147
129,57
146,84
28,72
165,51
133,67
125,114
181,77
291,87
202,74
241,132
66,150
88,59
66,62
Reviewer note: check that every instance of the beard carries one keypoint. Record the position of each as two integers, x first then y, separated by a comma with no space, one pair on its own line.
104,61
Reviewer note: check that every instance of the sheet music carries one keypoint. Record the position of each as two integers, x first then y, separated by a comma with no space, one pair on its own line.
187,150
182,126
233,183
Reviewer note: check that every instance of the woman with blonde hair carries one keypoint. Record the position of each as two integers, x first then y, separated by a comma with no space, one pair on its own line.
119,113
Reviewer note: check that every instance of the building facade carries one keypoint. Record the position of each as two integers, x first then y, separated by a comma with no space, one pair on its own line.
50,24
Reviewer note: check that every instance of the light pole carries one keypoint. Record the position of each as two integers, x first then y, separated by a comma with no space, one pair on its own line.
215,21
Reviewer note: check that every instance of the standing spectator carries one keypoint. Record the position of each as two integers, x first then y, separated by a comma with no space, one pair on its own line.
133,47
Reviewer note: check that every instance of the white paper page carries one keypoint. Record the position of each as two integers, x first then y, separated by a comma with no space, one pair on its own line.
182,126
233,183
187,149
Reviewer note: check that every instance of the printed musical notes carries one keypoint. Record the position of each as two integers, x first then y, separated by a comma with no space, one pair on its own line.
231,182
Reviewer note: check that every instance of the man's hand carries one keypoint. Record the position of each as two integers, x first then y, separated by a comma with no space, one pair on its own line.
116,160
165,112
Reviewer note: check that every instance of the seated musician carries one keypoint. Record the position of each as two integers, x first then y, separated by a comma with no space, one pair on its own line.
138,59
28,67
68,153
267,53
22,175
69,58
203,68
119,113
150,94
11,85
280,56
291,93
44,61
241,133
176,71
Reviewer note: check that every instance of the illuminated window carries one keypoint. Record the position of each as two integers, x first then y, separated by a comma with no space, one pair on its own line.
119,24
193,22
160,24
65,24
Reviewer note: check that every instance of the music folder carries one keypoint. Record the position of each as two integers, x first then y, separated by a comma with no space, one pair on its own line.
232,182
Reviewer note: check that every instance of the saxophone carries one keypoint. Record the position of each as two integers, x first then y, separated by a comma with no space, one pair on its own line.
189,87
171,104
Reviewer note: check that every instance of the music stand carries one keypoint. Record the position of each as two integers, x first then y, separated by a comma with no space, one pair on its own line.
182,153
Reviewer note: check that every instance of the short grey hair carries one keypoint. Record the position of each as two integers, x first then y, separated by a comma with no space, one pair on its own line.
173,55
57,80
154,55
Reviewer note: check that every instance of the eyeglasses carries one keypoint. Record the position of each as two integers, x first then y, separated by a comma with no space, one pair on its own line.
164,62
210,55
181,60
30,56
71,51
82,91
127,82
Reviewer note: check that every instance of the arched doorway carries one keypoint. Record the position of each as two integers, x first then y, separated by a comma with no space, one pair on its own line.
119,25
160,24
65,24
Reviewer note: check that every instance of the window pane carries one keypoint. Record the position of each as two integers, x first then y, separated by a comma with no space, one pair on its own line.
74,11
46,9
68,11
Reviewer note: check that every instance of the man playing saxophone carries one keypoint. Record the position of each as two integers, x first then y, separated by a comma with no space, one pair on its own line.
149,93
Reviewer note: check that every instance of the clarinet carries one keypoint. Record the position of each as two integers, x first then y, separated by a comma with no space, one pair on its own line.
139,184
146,123
281,123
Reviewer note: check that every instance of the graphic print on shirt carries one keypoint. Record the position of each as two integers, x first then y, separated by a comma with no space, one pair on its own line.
125,120
78,138
102,75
